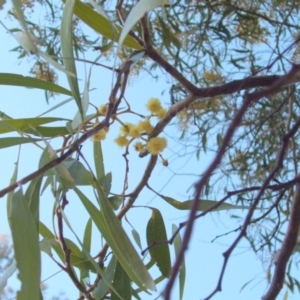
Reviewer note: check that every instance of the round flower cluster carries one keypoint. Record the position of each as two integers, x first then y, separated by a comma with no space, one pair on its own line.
130,131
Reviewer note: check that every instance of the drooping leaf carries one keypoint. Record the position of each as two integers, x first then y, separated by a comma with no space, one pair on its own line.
98,159
78,120
87,240
66,34
77,259
204,204
102,25
78,172
15,141
32,197
30,82
8,273
61,172
9,125
91,259
26,247
107,182
122,246
137,12
102,288
115,201
121,283
137,238
115,236
177,246
158,242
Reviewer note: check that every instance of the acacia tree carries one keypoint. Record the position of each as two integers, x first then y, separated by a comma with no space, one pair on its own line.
232,68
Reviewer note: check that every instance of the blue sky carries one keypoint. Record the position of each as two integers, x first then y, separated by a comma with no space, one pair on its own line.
203,258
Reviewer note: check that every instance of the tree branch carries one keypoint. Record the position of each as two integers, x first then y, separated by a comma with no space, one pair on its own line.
288,246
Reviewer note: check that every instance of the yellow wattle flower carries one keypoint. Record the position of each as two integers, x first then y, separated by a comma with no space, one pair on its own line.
145,126
154,105
156,145
122,141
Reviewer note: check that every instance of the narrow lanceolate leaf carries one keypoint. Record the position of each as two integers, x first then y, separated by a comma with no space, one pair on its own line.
112,231
15,141
32,196
61,172
177,246
157,240
5,276
122,284
78,172
102,25
137,238
49,242
98,159
91,259
66,34
9,125
26,247
30,82
138,11
122,246
78,120
102,288
87,238
203,206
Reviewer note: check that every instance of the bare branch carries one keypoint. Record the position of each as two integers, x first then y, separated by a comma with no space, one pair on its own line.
288,246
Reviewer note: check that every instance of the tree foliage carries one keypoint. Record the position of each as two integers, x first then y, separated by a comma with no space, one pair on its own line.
232,68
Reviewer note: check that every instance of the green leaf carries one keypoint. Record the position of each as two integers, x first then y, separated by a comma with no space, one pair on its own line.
107,182
137,238
78,172
95,264
6,275
115,201
102,288
122,246
10,194
102,25
76,257
177,246
88,235
30,82
203,206
49,131
26,247
9,125
14,141
78,120
121,283
61,172
87,240
98,159
137,12
112,231
32,197
156,233
66,34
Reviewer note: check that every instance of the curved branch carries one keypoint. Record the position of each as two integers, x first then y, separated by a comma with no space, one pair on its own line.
288,246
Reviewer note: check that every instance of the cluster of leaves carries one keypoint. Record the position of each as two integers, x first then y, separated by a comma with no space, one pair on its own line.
203,46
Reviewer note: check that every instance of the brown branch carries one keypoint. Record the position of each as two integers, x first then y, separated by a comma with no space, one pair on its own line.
68,268
154,55
278,165
134,194
288,246
248,100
